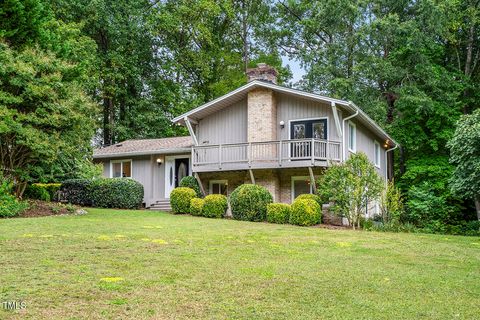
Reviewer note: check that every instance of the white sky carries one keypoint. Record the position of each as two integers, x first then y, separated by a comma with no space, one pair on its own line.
297,71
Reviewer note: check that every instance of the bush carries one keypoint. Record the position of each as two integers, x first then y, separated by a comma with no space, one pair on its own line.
192,183
116,193
33,191
249,202
305,212
196,206
313,197
215,206
180,199
278,212
76,191
43,191
9,204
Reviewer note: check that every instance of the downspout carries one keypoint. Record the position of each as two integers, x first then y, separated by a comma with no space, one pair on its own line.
386,161
343,128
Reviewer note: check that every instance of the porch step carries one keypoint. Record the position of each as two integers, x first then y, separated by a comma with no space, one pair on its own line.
163,205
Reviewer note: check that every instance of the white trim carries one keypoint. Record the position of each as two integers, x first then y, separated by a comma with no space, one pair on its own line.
190,130
211,182
168,159
354,149
307,119
375,162
337,120
142,153
121,167
292,189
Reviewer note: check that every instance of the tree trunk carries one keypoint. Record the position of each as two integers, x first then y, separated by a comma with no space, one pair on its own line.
477,205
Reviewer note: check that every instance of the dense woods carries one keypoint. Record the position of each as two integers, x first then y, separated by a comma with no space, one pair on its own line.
77,73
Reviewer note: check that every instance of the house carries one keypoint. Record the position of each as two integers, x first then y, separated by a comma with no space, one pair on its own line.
260,133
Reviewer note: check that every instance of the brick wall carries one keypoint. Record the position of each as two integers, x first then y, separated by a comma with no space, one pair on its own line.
262,115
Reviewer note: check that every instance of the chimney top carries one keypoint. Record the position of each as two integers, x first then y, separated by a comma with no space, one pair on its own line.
262,72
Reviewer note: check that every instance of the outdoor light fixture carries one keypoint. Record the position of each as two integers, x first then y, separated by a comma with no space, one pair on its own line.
282,124
159,161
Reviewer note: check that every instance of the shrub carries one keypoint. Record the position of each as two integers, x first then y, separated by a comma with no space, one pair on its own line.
196,206
305,212
116,193
249,202
9,204
76,191
313,197
180,199
192,183
36,192
278,212
215,206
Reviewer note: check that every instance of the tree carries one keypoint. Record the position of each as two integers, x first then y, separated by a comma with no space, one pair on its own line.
44,113
350,186
465,155
391,204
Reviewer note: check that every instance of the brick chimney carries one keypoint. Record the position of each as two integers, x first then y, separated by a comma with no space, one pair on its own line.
262,72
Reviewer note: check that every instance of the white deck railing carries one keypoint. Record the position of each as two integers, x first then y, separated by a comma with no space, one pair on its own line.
272,152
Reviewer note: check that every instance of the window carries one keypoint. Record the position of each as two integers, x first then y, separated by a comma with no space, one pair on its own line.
376,154
352,137
121,169
301,185
219,187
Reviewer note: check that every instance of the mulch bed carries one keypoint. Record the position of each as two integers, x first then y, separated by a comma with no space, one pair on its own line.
42,209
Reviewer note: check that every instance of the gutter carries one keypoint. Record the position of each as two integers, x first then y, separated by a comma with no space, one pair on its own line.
142,153
386,161
350,104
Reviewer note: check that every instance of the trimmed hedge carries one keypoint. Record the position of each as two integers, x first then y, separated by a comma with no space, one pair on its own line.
192,183
215,206
76,191
311,197
196,206
278,212
249,202
305,212
180,199
116,193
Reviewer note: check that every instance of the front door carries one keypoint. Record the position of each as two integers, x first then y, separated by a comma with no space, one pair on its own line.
306,129
175,170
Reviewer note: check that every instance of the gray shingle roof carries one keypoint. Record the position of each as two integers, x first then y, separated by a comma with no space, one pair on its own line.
145,147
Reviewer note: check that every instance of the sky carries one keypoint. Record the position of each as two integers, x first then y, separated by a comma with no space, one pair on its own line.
297,71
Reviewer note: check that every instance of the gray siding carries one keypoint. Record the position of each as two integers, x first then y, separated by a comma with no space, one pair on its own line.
225,126
293,108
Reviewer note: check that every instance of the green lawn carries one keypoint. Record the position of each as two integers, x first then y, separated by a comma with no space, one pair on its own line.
152,265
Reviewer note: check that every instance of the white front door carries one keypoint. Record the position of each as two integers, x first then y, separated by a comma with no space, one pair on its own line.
169,176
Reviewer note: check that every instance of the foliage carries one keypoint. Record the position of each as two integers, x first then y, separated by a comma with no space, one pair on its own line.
180,199
196,206
350,186
9,204
278,213
305,212
391,204
43,191
76,191
313,197
191,182
249,202
215,206
465,155
116,193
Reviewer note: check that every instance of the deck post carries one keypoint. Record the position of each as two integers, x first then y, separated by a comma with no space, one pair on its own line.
280,153
312,180
312,147
200,184
327,156
252,178
220,156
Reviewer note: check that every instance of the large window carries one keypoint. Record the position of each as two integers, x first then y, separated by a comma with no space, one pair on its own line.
376,154
352,137
219,187
121,169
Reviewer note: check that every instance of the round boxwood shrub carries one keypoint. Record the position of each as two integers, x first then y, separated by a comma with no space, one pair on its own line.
249,202
191,182
119,193
196,206
278,212
305,212
180,199
215,206
311,197
76,191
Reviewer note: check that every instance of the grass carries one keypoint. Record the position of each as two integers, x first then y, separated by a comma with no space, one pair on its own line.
150,265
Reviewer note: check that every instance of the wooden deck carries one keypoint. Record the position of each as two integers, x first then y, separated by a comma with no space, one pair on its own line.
265,155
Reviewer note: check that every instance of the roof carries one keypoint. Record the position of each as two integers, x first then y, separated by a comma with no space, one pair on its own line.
241,93
145,147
